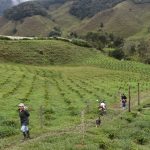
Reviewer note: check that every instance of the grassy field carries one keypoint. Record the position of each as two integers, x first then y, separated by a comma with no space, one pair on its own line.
62,98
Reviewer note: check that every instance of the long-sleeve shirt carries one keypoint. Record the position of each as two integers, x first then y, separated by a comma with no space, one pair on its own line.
24,117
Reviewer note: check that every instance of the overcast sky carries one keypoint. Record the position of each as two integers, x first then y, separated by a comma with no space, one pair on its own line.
15,2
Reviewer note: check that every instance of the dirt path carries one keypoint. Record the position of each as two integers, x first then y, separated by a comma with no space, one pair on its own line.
15,145
17,37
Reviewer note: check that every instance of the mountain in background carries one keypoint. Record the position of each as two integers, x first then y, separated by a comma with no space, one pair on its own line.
41,17
5,4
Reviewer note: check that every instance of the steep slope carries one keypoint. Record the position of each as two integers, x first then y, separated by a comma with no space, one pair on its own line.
128,18
64,19
88,8
125,19
58,16
5,4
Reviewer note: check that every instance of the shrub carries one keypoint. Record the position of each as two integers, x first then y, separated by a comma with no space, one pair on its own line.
127,144
68,101
9,123
7,131
4,38
103,144
118,54
141,137
73,111
146,106
54,33
142,124
49,111
111,132
80,42
140,109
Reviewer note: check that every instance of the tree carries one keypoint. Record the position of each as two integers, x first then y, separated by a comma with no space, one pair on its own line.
73,35
55,32
88,8
142,48
25,10
101,25
118,42
118,54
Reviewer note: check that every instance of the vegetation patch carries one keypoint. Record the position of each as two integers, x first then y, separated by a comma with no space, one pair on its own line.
88,8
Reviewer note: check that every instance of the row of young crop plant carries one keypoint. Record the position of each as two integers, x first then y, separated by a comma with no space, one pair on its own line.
54,100
81,87
112,88
10,82
82,91
68,95
15,88
104,62
60,93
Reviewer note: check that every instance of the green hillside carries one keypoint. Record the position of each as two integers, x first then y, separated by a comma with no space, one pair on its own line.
37,25
62,83
43,52
125,19
50,52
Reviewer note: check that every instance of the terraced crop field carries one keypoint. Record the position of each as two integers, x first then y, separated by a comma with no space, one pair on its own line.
56,95
62,99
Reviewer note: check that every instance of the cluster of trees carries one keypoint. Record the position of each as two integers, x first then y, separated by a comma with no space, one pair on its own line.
47,3
88,8
120,49
139,51
56,32
141,1
102,39
24,10
80,8
30,8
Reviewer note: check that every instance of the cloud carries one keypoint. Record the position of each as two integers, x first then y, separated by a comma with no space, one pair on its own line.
16,2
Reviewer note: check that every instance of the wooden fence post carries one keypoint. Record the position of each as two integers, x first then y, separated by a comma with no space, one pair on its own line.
82,126
41,117
138,93
129,99
87,106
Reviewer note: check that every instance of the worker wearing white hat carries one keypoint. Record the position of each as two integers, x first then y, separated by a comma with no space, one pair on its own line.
24,119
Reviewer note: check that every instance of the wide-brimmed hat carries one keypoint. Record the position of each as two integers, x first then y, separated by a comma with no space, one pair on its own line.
21,105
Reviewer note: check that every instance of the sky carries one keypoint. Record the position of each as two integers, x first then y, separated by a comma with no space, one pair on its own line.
15,2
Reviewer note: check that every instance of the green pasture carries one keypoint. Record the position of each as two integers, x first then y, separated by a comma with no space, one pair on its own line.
62,98
56,95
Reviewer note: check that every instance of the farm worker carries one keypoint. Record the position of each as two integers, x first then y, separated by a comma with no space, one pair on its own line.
24,119
98,122
102,106
123,101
